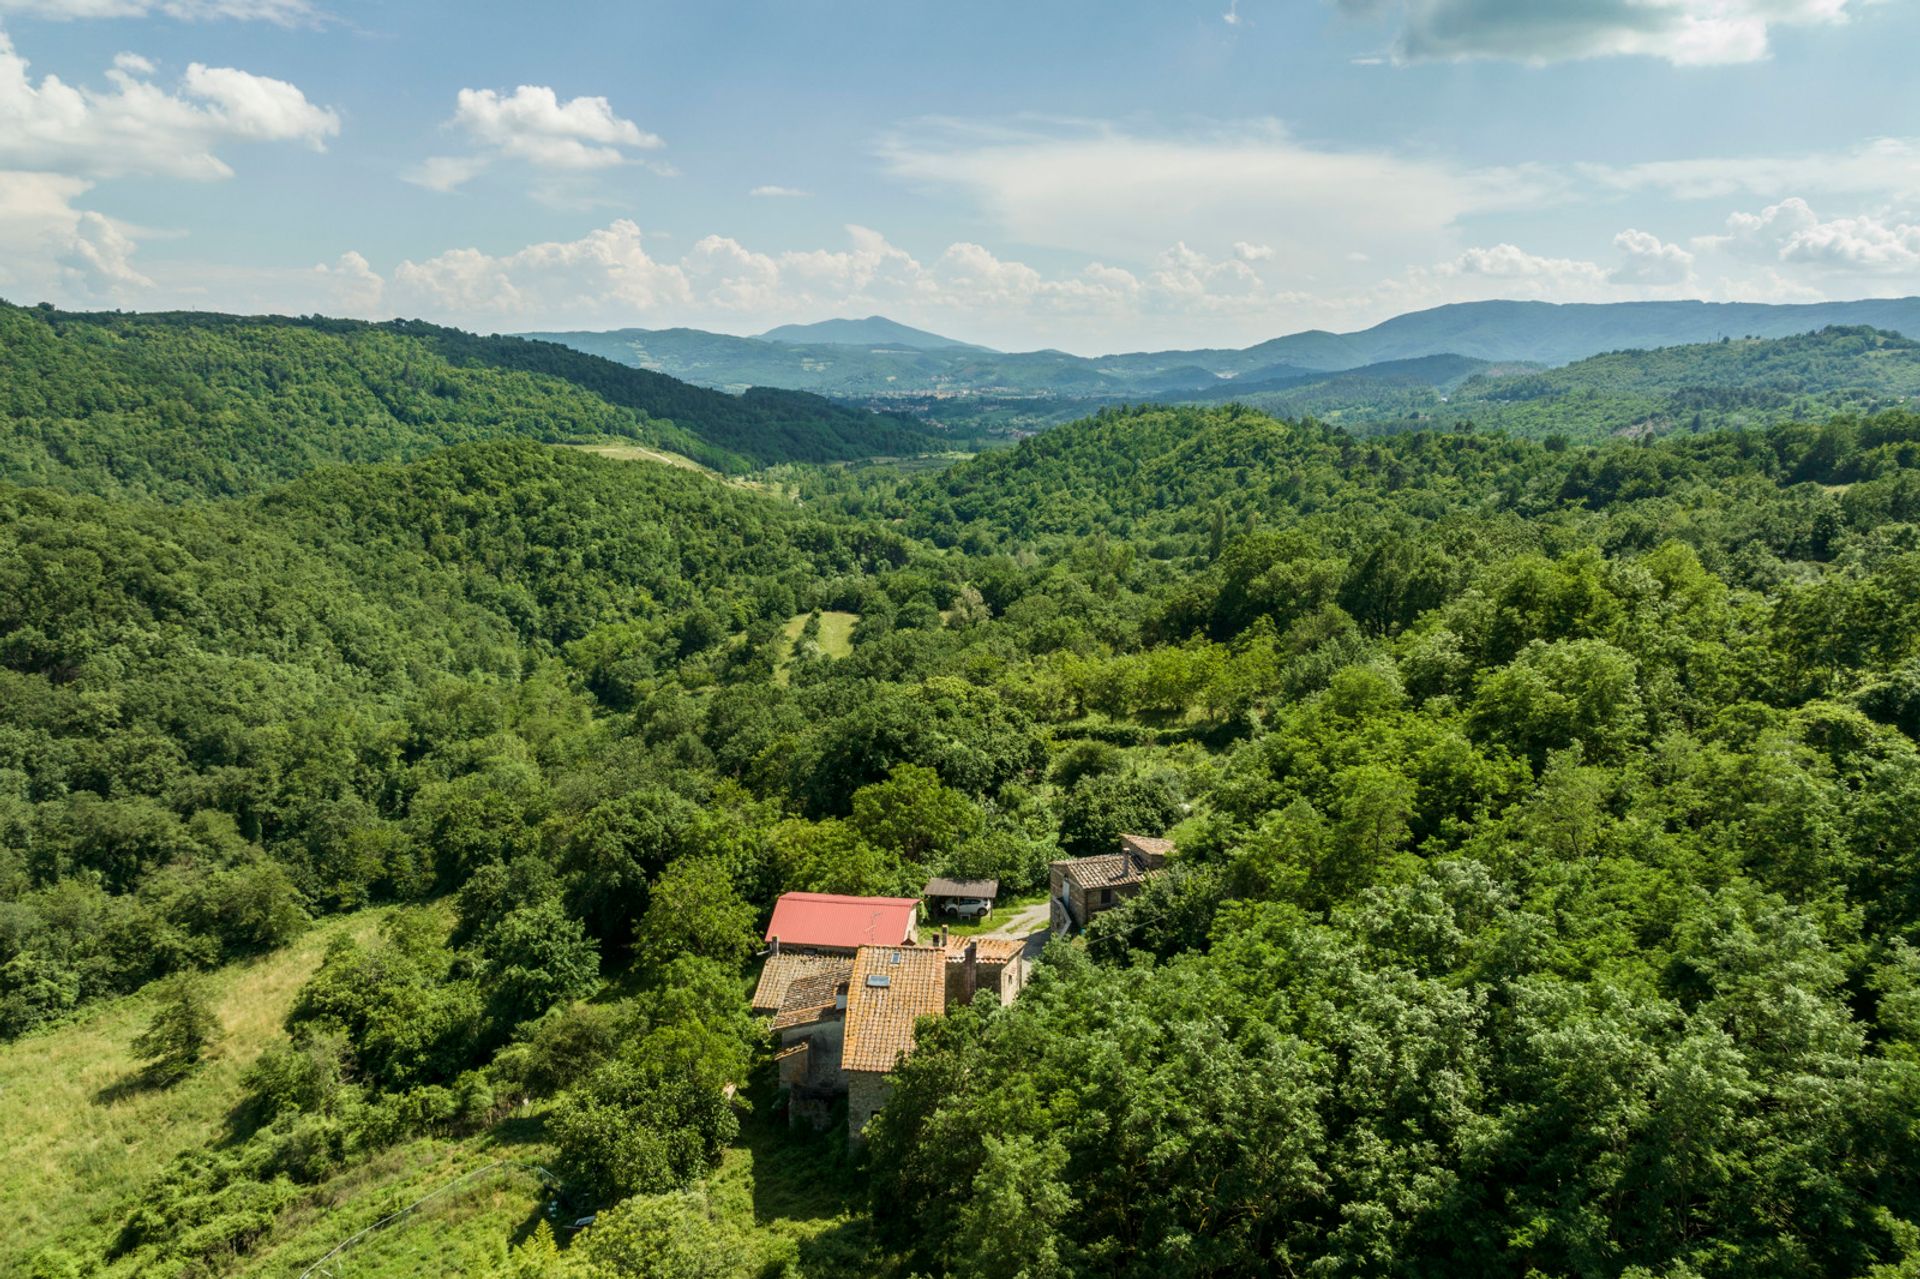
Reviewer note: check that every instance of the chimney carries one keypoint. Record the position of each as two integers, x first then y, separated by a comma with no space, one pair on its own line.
970,973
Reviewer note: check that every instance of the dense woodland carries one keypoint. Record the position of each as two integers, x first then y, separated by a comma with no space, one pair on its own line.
177,406
1548,896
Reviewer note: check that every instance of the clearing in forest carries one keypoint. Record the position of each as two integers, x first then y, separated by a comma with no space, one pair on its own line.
836,639
81,1130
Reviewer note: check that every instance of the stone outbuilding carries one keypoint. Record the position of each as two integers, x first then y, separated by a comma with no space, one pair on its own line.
1083,887
998,964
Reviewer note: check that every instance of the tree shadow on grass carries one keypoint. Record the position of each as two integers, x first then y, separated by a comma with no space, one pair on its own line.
137,1083
798,1173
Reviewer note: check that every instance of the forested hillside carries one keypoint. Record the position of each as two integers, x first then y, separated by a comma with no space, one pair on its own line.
1546,900
1732,384
192,405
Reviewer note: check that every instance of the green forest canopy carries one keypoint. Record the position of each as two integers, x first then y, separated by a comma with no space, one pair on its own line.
1547,901
176,406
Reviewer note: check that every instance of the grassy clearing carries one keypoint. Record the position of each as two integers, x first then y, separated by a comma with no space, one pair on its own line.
640,453
836,639
797,1194
80,1133
466,1229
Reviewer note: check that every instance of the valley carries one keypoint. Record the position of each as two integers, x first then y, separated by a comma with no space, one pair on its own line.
454,741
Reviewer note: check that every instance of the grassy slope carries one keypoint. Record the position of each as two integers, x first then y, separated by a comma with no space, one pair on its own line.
80,1138
466,1229
83,1144
836,638
639,453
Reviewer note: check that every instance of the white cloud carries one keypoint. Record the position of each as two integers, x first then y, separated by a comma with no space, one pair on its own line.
534,126
1650,260
1509,262
49,248
1252,252
1100,189
607,272
138,127
1682,32
1791,232
612,277
446,172
771,192
286,13
351,285
58,139
1479,274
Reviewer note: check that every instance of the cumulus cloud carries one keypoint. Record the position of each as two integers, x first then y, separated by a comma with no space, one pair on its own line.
58,139
286,13
1649,260
1510,262
606,271
616,275
533,125
51,248
351,285
1252,252
140,127
446,172
1682,32
1792,232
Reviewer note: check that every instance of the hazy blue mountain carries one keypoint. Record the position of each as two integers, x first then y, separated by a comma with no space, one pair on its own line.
1559,333
875,330
1734,382
876,363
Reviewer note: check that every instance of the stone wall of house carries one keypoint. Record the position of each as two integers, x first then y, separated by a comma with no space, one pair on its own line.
819,1067
867,1091
1013,979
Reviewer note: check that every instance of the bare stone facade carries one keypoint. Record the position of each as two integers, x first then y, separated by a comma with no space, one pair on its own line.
867,1091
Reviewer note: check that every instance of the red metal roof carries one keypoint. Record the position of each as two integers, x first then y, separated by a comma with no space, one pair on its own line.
828,919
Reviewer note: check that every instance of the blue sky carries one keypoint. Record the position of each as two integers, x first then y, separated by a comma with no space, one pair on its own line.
1089,175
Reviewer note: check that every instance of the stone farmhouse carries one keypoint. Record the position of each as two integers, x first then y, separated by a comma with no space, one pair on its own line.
843,1010
1083,887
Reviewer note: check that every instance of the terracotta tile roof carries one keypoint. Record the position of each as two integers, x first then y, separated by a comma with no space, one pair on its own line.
812,997
1106,870
1150,844
830,919
892,987
962,888
992,950
788,967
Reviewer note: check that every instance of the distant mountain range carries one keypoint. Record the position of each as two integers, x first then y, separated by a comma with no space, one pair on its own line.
875,330
1734,382
877,360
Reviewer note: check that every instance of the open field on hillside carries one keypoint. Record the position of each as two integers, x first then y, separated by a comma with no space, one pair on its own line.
80,1132
640,453
836,638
